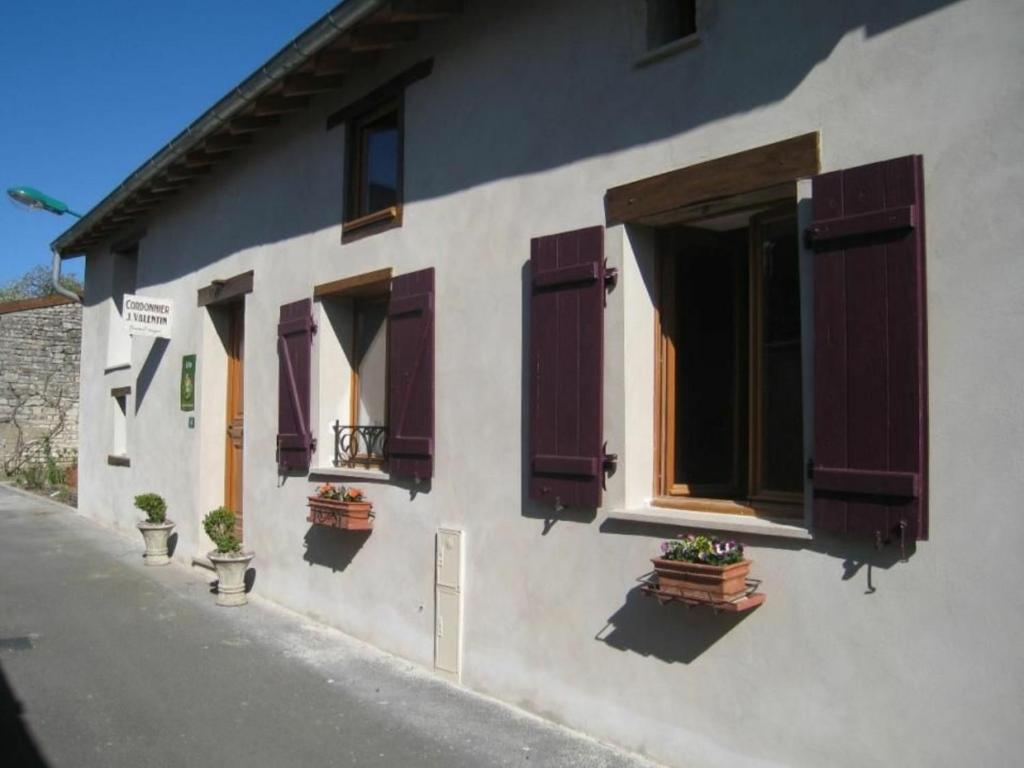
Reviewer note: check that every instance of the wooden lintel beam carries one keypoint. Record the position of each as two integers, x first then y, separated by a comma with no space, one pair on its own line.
768,166
278,105
305,85
423,10
378,37
343,62
252,123
225,142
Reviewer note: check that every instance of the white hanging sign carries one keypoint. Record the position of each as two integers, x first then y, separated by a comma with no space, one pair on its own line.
147,316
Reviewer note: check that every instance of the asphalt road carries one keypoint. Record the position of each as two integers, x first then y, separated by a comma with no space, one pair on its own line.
104,662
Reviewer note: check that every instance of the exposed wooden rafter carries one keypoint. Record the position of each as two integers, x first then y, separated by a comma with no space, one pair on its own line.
252,123
305,85
278,105
179,173
224,142
200,159
422,10
343,62
163,184
379,37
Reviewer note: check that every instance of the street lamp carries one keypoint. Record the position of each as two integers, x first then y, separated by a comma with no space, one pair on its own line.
33,198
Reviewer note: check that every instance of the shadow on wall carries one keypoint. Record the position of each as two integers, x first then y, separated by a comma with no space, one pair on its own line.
503,121
676,633
148,370
672,633
332,548
18,747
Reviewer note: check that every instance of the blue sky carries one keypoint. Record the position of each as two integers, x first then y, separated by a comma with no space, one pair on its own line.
91,90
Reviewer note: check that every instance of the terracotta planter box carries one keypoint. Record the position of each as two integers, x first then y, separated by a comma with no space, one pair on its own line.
347,515
702,582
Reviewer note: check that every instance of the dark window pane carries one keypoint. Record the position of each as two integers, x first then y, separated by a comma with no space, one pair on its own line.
380,163
709,328
781,386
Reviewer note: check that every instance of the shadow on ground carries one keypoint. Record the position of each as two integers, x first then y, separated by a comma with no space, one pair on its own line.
17,746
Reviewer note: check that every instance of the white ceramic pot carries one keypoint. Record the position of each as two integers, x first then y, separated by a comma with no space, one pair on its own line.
155,535
231,576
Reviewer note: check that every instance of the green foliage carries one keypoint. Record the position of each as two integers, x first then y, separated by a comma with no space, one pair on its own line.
219,525
52,471
42,473
36,283
153,505
707,550
31,476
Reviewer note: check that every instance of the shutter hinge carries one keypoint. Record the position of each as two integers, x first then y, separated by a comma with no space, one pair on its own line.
611,277
312,445
609,463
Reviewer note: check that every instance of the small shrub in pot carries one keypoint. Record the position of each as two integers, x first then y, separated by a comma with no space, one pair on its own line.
155,528
228,558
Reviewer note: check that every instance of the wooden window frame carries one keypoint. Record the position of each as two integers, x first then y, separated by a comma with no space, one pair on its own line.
755,491
665,353
356,219
744,495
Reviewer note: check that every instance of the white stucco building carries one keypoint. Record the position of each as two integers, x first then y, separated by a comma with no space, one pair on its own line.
407,222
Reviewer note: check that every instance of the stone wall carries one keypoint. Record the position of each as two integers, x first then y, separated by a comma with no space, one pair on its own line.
40,348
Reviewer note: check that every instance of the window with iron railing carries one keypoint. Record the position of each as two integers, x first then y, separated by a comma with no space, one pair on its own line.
353,368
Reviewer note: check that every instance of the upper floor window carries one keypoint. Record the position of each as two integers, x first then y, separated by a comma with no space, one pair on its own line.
374,164
374,149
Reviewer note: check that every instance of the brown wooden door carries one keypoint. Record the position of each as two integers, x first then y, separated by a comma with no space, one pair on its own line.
235,420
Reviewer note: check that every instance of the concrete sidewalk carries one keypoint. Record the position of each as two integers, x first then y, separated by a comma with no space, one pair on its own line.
104,662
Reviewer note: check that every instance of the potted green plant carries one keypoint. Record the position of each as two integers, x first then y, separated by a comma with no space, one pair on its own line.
702,568
228,558
340,507
155,528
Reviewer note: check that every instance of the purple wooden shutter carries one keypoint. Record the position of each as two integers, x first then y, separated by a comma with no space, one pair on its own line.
870,375
411,375
567,367
294,346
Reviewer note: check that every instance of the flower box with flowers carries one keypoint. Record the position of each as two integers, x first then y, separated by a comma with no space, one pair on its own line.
702,568
345,508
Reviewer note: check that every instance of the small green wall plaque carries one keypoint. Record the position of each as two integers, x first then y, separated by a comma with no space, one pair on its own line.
188,383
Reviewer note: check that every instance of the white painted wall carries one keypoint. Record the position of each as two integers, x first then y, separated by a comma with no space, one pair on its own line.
533,110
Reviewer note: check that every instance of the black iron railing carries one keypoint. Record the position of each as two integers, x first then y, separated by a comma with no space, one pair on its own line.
359,445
